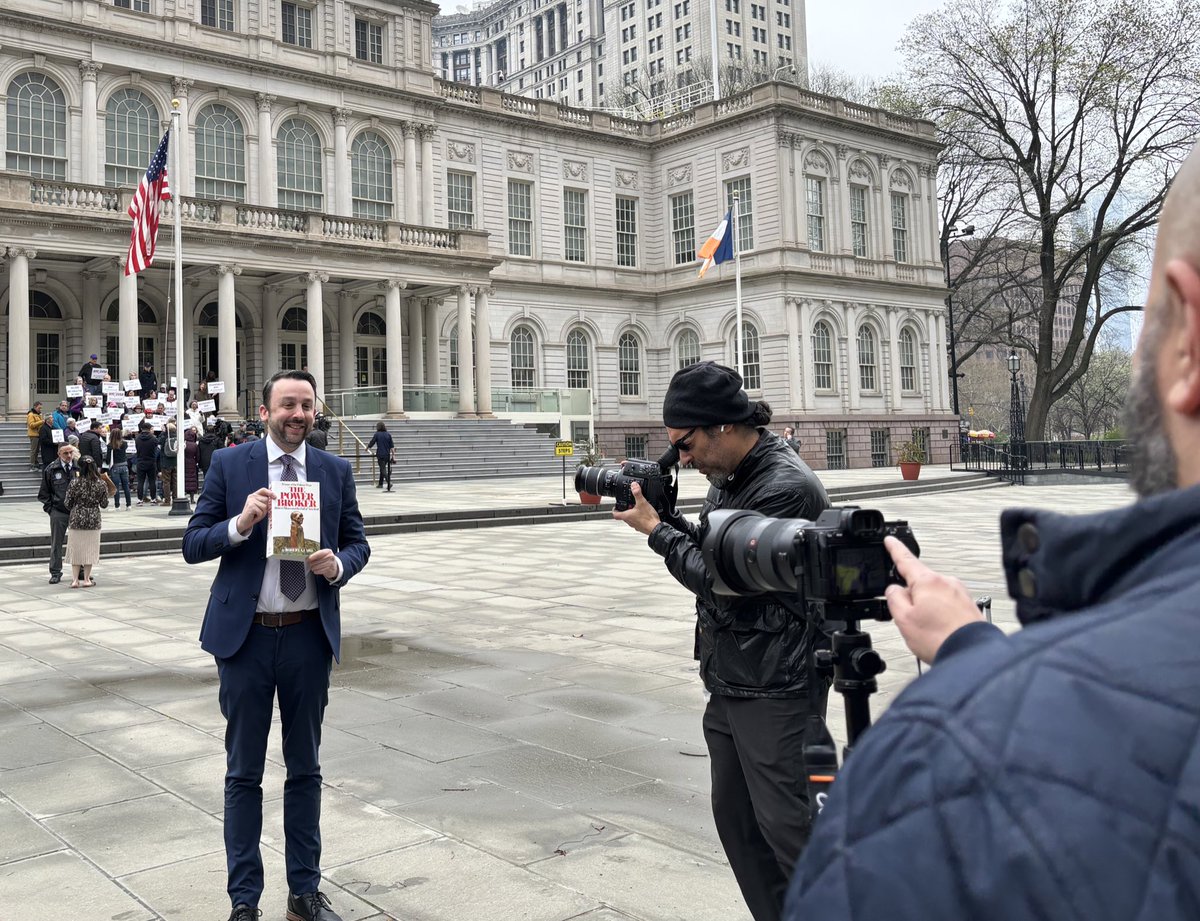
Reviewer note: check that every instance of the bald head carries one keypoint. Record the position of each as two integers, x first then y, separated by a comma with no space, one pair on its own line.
1179,222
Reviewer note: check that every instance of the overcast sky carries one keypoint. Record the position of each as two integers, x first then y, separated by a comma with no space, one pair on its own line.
860,36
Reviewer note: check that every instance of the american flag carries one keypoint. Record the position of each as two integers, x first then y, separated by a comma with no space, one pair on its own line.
144,208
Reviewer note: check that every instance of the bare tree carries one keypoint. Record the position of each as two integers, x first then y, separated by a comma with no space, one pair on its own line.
1076,114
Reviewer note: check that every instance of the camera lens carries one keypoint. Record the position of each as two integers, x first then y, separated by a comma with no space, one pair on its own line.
595,481
748,553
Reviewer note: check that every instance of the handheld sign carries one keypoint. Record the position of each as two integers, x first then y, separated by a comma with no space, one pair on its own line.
98,374
58,436
74,390
83,425
132,385
185,383
207,406
110,387
215,387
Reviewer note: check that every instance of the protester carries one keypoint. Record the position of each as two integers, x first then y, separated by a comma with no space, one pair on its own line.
208,443
274,629
168,452
47,448
33,425
1051,773
91,445
86,495
753,651
56,479
62,415
85,375
147,378
145,446
118,468
191,464
385,454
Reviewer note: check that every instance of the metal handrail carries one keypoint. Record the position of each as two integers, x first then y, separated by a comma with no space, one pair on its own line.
360,447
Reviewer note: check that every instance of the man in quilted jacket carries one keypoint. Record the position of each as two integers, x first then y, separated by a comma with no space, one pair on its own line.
1054,773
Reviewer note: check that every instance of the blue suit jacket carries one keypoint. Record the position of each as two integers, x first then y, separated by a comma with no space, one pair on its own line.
236,473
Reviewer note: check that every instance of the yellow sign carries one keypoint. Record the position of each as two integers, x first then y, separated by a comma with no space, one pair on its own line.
564,449
970,410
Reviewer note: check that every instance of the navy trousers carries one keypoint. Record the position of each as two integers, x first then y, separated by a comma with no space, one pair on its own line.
293,662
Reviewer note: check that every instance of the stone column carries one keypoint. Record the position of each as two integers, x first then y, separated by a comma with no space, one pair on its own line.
270,331
894,389
20,385
939,366
346,363
851,351
316,329
466,371
433,374
427,134
394,306
787,187
341,164
127,325
885,210
185,185
806,356
90,308
416,341
791,315
89,130
551,38
489,64
411,212
227,340
268,195
189,332
483,352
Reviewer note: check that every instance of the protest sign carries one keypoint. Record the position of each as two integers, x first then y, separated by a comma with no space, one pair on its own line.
134,385
207,406
58,436
98,374
215,387
110,387
74,390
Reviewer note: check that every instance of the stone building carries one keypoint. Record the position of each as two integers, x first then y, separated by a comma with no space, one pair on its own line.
467,252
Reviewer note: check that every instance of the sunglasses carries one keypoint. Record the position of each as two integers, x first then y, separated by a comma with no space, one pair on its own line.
683,443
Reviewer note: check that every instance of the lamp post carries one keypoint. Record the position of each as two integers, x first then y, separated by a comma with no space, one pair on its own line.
951,233
788,68
1016,416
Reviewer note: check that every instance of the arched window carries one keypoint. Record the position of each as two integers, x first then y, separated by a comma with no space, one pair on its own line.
687,348
208,316
822,341
130,137
47,344
145,313
299,167
371,177
220,154
629,359
867,378
578,360
371,324
908,360
43,307
295,320
520,348
37,127
751,363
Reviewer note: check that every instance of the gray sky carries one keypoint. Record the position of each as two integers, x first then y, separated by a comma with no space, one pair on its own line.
860,36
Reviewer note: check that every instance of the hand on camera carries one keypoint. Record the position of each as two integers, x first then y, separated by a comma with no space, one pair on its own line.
930,608
642,517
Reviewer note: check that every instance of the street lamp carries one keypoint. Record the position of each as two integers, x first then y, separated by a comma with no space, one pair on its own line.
1016,415
790,68
952,233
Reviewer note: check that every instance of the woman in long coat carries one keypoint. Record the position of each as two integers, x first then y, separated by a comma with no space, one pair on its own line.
191,464
85,497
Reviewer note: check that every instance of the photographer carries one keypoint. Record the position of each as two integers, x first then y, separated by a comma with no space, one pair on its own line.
1052,773
754,651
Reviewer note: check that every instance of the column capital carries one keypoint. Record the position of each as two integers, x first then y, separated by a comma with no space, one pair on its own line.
340,116
317,276
264,101
427,132
181,85
89,69
842,151
466,289
409,129
92,275
229,269
344,294
272,289
396,283
14,251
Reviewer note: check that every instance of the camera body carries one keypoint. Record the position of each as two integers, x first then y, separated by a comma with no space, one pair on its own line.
656,484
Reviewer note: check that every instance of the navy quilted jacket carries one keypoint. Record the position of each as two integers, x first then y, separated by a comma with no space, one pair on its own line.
1053,774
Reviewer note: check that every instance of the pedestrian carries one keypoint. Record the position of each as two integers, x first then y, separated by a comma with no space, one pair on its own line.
90,385
274,629
205,446
47,447
118,468
191,463
86,495
168,448
147,378
145,446
33,426
91,445
790,439
56,479
318,437
385,454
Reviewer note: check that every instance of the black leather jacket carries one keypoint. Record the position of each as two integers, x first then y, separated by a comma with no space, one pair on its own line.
754,646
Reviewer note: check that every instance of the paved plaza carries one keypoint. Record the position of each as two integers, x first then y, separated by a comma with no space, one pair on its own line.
513,733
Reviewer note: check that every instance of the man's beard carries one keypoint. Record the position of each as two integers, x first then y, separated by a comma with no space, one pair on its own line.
283,436
1152,465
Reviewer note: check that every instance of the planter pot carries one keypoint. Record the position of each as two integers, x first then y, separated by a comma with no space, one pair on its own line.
586,498
910,471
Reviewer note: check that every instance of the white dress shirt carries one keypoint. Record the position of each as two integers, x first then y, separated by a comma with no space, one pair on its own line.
271,598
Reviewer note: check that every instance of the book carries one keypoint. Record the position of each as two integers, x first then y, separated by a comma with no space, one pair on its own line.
294,524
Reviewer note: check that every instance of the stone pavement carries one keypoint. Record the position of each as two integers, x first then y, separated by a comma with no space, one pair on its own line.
513,733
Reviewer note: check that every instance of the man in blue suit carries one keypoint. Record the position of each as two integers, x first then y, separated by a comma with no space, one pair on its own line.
275,628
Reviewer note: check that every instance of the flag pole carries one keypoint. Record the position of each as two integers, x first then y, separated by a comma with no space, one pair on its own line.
737,285
716,45
179,504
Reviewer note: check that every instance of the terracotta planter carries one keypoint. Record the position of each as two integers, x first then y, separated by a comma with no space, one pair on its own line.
586,498
910,471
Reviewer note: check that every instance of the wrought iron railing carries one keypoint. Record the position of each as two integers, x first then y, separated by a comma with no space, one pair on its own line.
1014,460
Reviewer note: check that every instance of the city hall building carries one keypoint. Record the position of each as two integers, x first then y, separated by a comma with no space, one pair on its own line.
430,247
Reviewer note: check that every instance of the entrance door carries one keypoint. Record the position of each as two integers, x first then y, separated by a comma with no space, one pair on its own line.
209,362
370,366
48,372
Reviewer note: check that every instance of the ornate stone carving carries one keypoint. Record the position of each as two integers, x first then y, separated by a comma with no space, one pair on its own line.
928,170
842,151
858,170
627,179
322,277
735,159
786,138
340,116
14,251
520,161
427,132
89,69
900,180
396,283
229,269
884,160
461,151
574,169
181,85
264,101
817,162
679,175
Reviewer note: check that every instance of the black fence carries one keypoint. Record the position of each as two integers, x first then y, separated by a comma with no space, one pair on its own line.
1014,460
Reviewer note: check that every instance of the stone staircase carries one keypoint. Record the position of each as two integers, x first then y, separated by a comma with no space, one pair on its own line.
18,481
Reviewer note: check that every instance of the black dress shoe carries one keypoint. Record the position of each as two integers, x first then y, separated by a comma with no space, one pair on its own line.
55,578
311,906
244,913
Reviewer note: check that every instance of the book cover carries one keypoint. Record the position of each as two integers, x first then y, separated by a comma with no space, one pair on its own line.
294,525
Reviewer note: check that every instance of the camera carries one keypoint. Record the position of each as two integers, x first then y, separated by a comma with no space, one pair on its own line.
655,478
837,560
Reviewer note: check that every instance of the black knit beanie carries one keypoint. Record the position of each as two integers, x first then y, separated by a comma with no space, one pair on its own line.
705,394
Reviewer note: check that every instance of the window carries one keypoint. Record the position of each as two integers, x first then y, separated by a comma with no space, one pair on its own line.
37,127
138,6
131,137
520,218
814,191
47,370
460,200
683,228
297,24
835,449
635,446
688,348
453,346
368,41
867,379
217,14
626,231
220,154
371,177
578,360
900,227
822,342
858,220
751,376
908,360
371,324
880,450
520,350
629,359
575,225
741,188
299,167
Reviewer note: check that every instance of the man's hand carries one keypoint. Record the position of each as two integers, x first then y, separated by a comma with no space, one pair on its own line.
324,563
257,507
642,517
932,606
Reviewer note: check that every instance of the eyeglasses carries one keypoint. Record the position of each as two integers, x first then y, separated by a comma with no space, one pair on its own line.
681,444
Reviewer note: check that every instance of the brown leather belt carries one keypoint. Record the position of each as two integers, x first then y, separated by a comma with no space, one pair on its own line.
286,619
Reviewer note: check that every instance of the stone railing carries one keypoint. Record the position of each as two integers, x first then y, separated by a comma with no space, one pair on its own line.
820,262
194,210
460,92
425,237
906,272
343,229
75,195
271,219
